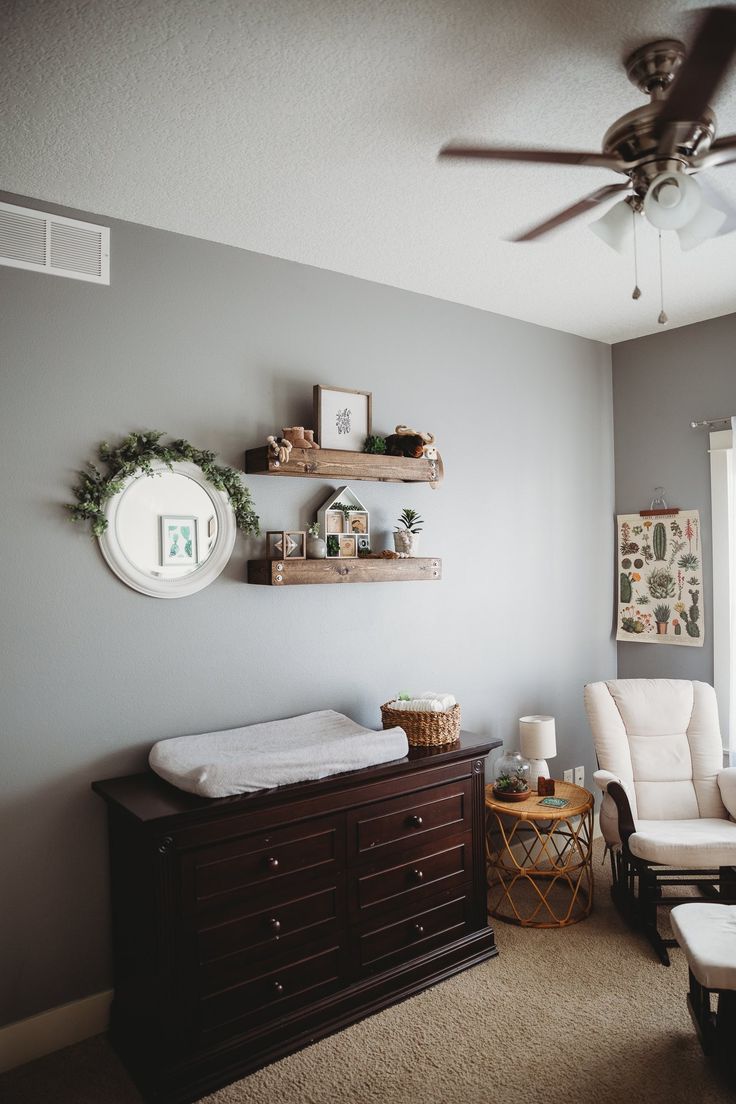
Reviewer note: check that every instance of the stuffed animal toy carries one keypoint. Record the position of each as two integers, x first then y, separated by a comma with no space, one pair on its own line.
300,437
409,442
278,450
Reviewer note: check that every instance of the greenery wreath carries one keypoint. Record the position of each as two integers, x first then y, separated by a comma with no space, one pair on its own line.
138,452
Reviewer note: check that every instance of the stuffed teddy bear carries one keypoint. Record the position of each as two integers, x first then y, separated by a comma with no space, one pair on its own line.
300,437
278,450
410,442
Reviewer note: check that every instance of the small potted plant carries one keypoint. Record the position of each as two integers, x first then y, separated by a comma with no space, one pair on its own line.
511,786
406,536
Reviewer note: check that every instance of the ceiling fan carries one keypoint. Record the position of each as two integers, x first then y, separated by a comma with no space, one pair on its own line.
658,147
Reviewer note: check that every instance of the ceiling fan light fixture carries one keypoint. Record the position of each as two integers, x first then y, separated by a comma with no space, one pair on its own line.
616,227
672,201
705,224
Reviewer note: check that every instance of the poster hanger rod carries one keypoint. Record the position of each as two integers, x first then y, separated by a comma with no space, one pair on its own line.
710,422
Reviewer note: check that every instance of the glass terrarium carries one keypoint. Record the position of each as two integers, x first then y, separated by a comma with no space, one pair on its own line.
511,776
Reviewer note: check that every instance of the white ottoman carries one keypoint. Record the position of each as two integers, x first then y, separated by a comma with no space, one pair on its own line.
707,935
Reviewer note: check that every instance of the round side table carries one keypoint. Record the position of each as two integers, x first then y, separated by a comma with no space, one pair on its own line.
539,858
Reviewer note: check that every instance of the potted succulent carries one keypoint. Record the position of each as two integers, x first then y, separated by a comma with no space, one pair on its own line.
662,617
406,536
511,786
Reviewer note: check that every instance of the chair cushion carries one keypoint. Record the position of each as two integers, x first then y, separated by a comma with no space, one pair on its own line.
707,935
705,842
661,737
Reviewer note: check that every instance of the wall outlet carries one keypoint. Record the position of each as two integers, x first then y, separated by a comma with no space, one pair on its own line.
568,775
580,776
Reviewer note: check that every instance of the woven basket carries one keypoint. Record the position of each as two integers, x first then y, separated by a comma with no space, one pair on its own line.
424,729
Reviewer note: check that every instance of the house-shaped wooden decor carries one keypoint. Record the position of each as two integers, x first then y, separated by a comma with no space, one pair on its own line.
344,518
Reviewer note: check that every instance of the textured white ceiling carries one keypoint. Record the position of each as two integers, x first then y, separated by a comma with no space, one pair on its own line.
308,129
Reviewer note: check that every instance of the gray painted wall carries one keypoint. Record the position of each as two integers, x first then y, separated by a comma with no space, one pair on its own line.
222,346
660,384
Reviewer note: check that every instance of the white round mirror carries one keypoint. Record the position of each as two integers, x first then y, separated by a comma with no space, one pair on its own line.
169,534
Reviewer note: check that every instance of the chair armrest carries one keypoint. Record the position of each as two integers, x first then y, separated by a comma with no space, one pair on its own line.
727,786
603,777
612,785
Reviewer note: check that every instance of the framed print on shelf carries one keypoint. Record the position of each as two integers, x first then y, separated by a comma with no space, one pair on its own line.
358,523
342,417
178,541
348,547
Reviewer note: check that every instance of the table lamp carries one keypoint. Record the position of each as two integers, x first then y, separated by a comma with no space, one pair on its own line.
537,738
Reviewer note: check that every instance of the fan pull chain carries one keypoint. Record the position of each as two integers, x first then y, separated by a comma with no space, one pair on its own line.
663,319
636,293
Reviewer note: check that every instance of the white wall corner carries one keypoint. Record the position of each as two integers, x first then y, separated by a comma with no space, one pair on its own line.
51,1030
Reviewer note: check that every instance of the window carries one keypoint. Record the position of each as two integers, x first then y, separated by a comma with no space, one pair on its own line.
723,499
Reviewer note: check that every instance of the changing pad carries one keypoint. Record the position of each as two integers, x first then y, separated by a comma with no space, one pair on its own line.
275,753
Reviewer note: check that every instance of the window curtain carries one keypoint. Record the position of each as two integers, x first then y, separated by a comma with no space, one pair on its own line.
723,502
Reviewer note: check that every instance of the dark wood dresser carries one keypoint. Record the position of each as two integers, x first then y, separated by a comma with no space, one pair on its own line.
247,927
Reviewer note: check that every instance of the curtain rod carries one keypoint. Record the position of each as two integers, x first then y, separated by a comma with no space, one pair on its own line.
710,422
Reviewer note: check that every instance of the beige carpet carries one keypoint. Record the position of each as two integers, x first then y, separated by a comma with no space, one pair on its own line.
560,1017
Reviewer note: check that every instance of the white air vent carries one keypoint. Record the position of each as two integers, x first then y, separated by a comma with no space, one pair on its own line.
50,243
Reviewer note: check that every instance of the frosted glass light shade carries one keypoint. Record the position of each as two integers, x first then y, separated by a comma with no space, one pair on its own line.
537,737
705,224
616,228
672,200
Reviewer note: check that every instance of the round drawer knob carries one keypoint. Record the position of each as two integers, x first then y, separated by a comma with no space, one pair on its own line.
272,862
415,820
277,988
417,930
274,924
417,875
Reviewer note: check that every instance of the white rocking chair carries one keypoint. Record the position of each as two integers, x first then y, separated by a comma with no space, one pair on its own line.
668,801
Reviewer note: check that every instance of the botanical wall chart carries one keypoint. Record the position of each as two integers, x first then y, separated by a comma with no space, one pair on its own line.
660,579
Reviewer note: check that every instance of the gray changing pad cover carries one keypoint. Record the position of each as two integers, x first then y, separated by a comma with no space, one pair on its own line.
275,753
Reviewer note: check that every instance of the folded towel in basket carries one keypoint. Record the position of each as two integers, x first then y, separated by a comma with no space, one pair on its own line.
275,753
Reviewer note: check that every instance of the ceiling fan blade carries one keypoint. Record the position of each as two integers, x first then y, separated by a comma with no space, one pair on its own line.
720,153
579,208
704,68
547,157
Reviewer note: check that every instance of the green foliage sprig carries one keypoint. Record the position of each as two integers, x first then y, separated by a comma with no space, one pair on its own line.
138,452
375,444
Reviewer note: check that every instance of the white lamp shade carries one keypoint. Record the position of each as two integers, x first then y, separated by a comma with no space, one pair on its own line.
672,200
705,224
537,737
616,228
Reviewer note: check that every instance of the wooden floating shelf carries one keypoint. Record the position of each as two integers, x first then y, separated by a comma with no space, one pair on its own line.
300,572
337,464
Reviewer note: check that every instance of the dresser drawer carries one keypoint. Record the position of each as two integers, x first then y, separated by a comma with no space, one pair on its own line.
261,860
272,994
228,951
415,934
430,869
439,811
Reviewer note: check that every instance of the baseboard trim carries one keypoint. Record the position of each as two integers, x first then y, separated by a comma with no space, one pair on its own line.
51,1030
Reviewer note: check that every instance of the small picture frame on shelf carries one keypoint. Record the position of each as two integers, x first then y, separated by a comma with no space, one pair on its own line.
348,547
358,523
178,540
342,417
282,544
335,521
